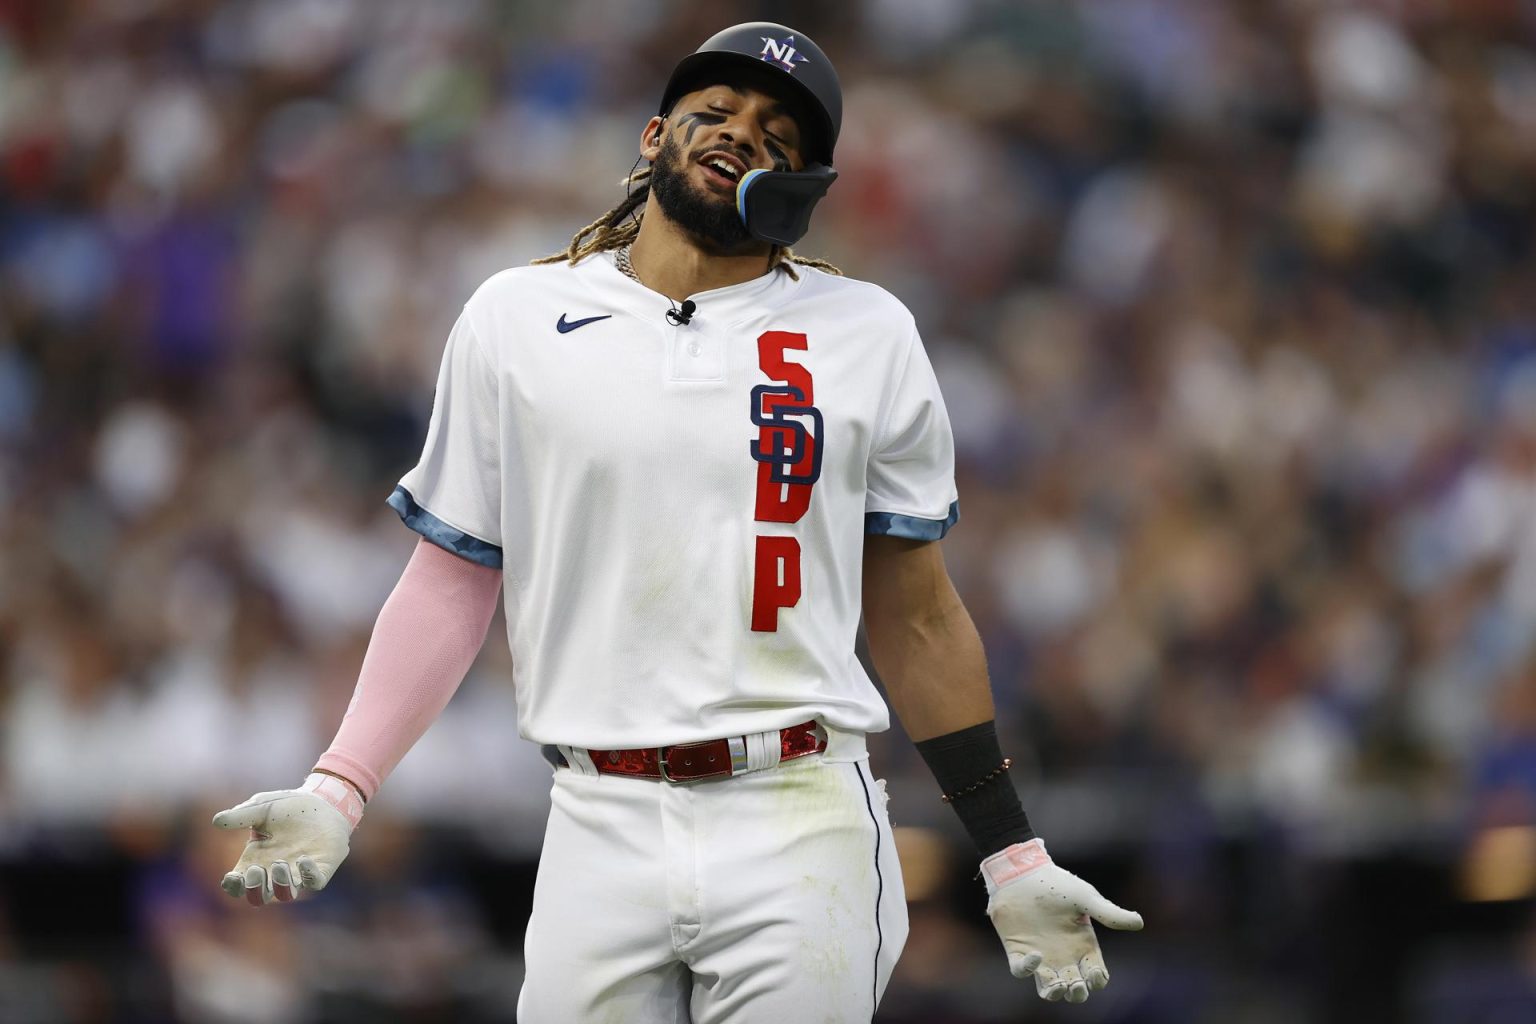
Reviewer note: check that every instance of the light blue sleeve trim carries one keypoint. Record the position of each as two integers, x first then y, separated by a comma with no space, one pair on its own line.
912,528
449,538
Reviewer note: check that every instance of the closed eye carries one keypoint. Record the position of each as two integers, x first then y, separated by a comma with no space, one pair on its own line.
782,143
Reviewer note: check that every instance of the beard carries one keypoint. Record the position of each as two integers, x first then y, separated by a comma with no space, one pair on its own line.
711,221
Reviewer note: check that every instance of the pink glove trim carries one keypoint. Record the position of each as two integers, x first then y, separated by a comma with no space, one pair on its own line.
336,793
426,638
1016,861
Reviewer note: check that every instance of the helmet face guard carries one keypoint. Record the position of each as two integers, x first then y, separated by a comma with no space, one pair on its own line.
775,206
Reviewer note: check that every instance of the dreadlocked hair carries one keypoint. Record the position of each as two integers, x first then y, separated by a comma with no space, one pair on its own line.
620,226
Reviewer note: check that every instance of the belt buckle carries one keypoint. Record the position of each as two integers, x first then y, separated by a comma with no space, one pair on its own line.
661,766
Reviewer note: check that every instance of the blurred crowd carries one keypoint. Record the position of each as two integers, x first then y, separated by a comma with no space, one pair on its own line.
1234,306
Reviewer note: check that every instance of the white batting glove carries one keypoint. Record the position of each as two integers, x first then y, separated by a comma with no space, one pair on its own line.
303,831
1042,912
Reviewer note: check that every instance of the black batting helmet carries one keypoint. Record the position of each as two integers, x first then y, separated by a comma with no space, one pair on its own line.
792,61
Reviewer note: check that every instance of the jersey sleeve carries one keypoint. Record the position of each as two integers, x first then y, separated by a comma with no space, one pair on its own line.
453,496
911,478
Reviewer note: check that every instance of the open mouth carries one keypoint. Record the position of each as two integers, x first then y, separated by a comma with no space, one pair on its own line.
723,169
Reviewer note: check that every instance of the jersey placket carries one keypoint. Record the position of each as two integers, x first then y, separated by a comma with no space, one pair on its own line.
694,353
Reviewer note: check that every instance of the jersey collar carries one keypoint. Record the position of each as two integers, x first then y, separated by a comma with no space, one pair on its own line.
717,307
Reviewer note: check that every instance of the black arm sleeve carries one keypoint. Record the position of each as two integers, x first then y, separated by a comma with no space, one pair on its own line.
991,813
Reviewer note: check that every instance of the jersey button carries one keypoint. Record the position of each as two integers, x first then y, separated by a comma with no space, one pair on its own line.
694,348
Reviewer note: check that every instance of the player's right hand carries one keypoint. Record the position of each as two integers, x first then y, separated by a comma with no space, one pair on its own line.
298,838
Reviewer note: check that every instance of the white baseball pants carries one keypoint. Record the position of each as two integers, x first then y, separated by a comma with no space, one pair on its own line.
767,897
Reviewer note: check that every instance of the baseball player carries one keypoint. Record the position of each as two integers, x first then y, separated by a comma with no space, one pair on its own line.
690,459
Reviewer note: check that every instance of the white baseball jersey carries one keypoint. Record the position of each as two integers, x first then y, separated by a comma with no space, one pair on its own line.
679,509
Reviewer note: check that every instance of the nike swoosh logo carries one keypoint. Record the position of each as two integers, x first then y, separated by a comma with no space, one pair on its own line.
567,326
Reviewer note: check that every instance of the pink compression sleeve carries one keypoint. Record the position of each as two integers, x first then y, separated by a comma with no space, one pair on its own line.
425,639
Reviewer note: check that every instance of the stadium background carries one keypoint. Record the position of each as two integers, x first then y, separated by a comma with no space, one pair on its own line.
1235,308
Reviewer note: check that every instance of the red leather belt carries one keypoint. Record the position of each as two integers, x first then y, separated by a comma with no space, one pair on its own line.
711,759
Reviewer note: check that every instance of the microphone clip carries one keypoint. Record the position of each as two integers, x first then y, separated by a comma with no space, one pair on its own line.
678,317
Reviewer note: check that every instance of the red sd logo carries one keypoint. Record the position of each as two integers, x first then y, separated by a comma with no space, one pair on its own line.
788,453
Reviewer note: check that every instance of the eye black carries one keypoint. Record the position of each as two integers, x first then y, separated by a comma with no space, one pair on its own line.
694,120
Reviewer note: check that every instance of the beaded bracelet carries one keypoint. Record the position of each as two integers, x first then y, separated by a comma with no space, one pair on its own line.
973,787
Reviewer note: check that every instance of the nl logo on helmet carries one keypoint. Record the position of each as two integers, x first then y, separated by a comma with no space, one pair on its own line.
783,54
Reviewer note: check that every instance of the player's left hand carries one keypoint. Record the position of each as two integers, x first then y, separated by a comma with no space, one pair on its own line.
1045,916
